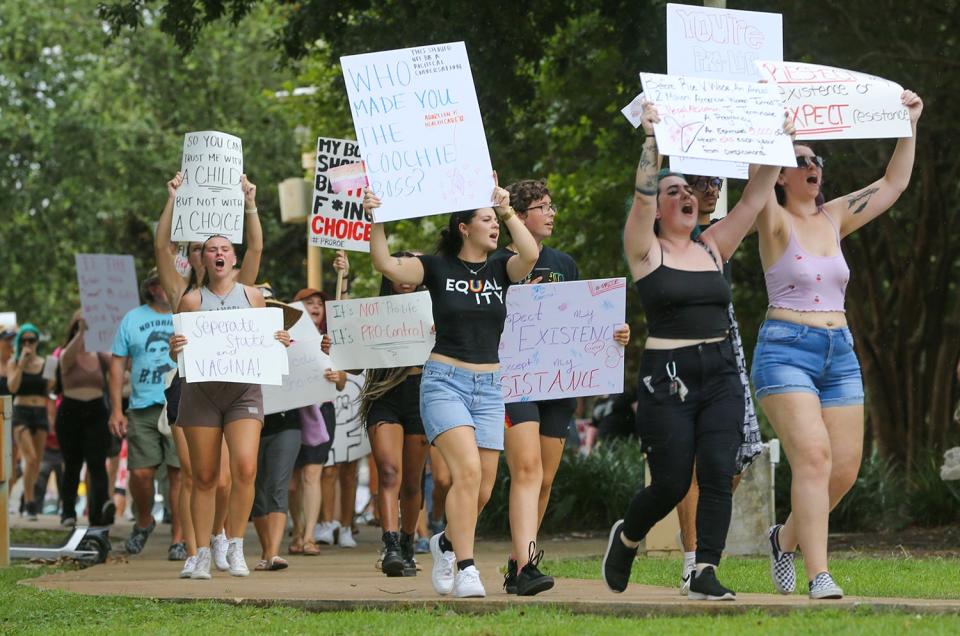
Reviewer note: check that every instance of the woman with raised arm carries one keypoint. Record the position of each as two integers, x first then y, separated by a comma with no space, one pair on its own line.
213,411
805,370
176,285
690,397
461,401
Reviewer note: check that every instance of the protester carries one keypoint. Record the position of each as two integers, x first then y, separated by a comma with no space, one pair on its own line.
279,446
6,352
805,368
461,402
690,405
536,431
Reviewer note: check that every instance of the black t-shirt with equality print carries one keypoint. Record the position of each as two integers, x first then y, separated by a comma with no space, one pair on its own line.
468,309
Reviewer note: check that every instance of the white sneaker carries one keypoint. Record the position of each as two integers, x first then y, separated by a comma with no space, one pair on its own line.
218,545
238,565
345,538
467,584
686,576
324,531
188,567
444,565
201,567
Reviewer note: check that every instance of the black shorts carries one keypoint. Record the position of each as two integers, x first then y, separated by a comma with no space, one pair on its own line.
172,395
554,416
34,418
321,452
400,405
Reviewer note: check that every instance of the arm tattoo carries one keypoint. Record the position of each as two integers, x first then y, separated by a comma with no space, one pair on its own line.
647,180
399,262
861,199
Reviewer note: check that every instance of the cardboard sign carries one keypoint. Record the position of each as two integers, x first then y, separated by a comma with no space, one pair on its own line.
337,220
719,119
303,329
234,345
8,320
558,342
210,200
418,123
719,44
833,103
350,441
305,385
108,290
381,332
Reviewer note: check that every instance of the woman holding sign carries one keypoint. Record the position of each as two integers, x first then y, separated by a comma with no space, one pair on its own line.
691,401
805,369
536,431
176,285
461,401
211,412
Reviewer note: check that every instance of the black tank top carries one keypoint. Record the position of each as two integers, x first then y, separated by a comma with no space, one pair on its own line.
684,304
32,384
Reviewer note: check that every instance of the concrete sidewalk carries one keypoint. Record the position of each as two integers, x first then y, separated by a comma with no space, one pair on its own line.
342,579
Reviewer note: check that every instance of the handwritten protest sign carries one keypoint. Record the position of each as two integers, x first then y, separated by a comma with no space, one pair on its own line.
303,329
305,385
8,320
350,441
210,199
719,44
558,342
235,345
719,119
338,220
418,123
108,290
833,103
381,332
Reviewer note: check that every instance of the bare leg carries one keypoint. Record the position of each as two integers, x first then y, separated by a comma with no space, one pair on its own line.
522,446
223,489
551,452
243,440
186,486
411,495
441,484
310,498
459,448
387,444
349,474
204,444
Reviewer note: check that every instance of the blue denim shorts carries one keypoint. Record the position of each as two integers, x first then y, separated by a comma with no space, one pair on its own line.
795,358
452,397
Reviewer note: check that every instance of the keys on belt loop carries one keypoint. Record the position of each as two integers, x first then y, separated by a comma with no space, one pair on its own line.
677,387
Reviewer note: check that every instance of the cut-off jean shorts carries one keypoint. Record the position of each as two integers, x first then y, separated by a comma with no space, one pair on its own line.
452,397
795,358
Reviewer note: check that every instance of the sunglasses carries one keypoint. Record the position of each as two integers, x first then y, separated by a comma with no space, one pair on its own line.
28,341
810,162
703,185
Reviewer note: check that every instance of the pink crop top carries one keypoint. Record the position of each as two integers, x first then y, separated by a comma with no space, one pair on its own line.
804,282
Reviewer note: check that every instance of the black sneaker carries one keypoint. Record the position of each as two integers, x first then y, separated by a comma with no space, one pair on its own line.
706,587
530,580
617,560
392,563
107,513
31,509
138,538
510,578
407,551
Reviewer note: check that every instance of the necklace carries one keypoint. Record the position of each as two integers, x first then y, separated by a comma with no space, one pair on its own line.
222,299
475,272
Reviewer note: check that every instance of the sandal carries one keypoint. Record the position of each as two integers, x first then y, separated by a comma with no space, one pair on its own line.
262,565
310,548
296,546
278,563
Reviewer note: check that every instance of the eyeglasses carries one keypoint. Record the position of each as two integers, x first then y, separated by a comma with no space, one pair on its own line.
28,341
544,208
809,162
705,184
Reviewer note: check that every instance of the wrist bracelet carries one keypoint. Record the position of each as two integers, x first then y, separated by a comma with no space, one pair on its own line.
508,215
250,210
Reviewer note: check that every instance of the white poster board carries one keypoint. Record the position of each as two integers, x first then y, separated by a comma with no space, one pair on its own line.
210,200
303,329
305,384
719,44
8,320
719,119
350,441
108,290
381,332
558,342
233,345
337,220
418,123
833,103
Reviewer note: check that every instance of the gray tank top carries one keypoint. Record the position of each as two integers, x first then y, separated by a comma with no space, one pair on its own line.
236,298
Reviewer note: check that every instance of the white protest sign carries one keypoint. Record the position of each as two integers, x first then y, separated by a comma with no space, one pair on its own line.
719,119
418,123
303,329
337,220
8,320
233,345
305,385
108,290
558,342
833,103
350,441
381,332
210,199
719,44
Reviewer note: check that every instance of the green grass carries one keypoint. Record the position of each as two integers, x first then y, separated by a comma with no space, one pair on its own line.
24,610
907,577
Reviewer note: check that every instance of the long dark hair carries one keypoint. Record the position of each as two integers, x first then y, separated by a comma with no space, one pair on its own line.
451,241
782,194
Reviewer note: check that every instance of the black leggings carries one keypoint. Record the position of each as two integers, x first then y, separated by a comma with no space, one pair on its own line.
84,436
705,425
